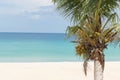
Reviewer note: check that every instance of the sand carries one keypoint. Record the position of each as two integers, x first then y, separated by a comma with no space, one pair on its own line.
55,71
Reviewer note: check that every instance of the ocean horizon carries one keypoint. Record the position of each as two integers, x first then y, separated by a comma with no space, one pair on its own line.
44,47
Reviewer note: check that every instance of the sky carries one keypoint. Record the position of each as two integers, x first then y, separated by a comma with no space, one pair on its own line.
37,16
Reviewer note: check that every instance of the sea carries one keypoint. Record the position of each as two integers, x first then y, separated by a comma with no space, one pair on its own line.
44,47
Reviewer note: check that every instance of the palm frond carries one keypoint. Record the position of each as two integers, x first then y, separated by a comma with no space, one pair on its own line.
111,18
77,9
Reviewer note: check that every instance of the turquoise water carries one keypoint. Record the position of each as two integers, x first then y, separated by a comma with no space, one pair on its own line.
40,47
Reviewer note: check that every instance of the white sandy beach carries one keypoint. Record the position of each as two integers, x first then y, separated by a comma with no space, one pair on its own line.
55,71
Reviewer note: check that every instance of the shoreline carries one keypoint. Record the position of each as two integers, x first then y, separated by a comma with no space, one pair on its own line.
55,71
54,62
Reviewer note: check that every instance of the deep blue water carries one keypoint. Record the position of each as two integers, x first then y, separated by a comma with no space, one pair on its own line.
40,47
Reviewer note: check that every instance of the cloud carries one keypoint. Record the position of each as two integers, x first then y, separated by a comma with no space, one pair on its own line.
21,6
28,3
10,11
41,12
35,17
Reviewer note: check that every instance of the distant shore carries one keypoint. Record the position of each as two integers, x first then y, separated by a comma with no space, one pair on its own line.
55,71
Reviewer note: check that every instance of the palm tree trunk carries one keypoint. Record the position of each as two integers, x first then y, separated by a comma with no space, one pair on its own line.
98,73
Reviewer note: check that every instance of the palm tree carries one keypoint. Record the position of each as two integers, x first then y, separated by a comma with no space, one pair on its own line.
94,25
